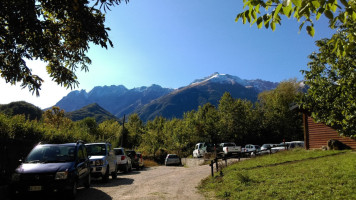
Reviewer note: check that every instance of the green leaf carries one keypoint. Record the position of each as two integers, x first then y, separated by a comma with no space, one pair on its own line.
266,25
276,11
344,2
353,16
311,30
316,4
259,22
333,7
297,3
301,26
329,14
320,12
273,26
287,11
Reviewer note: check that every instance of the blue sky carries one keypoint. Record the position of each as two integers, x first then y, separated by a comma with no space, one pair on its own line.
172,43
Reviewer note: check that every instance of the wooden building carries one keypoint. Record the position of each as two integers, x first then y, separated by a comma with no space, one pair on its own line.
317,135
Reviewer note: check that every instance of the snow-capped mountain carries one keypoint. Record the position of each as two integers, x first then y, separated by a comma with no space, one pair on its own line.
153,101
258,84
201,91
118,100
221,78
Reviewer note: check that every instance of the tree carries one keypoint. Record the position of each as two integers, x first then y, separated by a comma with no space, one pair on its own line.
331,96
280,121
109,130
135,129
308,11
55,118
56,32
235,119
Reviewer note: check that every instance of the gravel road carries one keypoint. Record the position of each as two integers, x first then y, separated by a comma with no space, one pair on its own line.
160,182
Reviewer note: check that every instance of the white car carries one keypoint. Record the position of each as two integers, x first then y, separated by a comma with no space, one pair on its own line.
102,160
172,159
267,148
123,161
287,145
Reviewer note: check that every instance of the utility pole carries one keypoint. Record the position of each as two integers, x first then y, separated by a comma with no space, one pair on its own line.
123,132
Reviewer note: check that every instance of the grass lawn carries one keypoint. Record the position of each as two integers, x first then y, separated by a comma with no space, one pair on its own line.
296,174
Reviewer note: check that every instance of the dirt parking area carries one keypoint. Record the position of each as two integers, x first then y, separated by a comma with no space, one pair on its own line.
162,182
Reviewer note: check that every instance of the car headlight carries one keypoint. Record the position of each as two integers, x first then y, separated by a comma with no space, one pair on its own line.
15,177
61,175
99,162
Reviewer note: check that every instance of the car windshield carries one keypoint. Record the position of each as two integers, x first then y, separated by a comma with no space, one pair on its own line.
172,156
118,152
96,149
51,154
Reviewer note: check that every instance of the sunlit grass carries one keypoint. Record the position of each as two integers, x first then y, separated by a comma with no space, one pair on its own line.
296,174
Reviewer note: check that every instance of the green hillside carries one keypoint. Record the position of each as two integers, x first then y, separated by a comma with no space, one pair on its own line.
21,108
92,110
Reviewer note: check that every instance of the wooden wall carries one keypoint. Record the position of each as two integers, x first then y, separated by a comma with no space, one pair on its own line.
316,135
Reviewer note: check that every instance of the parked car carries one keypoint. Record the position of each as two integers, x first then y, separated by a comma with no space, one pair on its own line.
52,168
102,160
122,160
172,159
287,145
134,159
228,149
267,148
140,160
202,148
251,149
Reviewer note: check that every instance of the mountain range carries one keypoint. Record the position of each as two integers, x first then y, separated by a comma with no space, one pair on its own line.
152,101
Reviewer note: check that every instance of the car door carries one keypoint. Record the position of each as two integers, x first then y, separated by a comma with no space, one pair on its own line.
111,158
82,163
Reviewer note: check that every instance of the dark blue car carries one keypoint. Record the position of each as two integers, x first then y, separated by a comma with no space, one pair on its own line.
52,168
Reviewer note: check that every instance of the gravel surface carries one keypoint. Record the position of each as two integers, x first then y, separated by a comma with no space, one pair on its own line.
162,182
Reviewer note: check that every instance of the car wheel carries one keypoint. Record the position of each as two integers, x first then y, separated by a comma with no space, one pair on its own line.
88,182
106,175
73,192
114,174
126,168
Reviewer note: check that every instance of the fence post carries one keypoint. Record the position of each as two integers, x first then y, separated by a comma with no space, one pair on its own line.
217,166
212,168
225,162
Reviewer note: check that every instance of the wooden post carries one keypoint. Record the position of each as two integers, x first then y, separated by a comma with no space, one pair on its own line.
217,166
212,168
225,162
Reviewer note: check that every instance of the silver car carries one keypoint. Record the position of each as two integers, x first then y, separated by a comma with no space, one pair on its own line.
172,159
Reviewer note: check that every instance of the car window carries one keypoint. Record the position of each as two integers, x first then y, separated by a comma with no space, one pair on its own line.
80,154
51,154
96,149
119,152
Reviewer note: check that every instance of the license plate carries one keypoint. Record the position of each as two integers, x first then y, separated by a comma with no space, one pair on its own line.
35,188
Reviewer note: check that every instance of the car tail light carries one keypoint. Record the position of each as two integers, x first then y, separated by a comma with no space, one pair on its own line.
136,156
123,157
227,149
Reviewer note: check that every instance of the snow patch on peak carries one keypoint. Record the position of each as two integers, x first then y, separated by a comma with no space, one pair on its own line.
221,78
